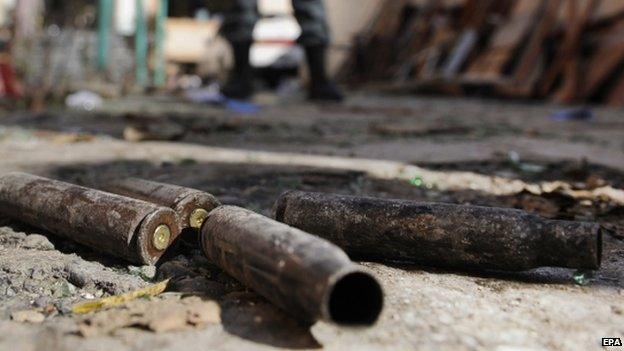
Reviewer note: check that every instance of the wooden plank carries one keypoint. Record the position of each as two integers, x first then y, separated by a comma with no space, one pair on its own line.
605,60
381,41
442,37
472,22
566,62
505,41
607,10
616,97
531,55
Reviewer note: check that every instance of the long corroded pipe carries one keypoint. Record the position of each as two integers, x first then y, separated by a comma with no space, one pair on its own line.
304,275
134,230
191,205
439,234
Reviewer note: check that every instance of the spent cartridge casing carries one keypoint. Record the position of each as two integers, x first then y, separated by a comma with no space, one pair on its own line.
438,234
131,229
191,205
304,275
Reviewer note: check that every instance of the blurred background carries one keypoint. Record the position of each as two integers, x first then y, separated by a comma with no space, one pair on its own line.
561,51
115,47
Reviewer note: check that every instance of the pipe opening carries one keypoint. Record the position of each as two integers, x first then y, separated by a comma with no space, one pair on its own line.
356,299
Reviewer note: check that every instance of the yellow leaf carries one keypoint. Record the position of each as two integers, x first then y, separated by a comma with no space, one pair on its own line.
111,301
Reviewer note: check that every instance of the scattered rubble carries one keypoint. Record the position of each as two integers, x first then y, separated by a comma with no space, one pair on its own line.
157,315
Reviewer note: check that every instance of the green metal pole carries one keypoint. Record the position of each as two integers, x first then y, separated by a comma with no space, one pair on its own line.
140,45
160,74
105,15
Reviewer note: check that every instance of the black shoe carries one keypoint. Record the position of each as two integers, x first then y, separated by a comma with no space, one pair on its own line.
327,91
237,88
240,82
321,88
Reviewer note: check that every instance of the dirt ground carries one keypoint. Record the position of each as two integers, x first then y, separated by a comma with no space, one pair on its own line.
421,148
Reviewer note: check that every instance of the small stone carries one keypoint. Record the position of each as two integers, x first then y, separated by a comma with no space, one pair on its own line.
63,288
79,276
28,316
42,301
64,306
87,296
37,273
133,269
38,242
148,272
30,286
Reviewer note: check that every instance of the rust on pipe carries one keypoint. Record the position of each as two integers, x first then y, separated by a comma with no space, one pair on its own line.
192,206
131,229
443,235
304,275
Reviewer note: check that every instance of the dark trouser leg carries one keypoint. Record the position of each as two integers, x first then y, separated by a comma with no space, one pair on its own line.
239,22
315,38
313,22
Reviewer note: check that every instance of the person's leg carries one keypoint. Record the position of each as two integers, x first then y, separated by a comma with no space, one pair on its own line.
315,38
239,22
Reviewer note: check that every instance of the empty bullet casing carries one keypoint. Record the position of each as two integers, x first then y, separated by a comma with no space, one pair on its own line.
135,230
442,234
304,275
191,206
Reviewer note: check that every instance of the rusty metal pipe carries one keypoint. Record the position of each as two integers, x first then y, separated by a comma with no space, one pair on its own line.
191,205
439,234
304,275
134,230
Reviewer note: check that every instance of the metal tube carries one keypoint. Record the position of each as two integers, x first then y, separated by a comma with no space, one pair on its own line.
135,230
191,205
439,234
105,15
141,45
160,69
304,275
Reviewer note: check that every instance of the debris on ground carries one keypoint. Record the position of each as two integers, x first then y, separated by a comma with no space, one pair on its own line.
112,301
84,99
153,131
158,315
577,114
